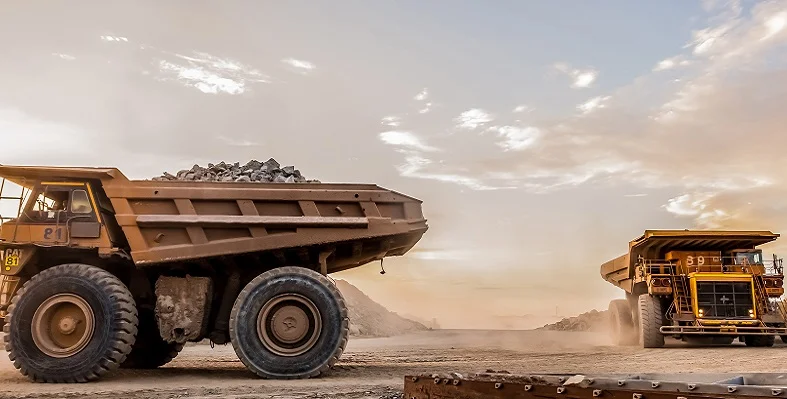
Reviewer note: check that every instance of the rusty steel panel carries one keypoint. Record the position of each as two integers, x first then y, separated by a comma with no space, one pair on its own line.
510,386
183,307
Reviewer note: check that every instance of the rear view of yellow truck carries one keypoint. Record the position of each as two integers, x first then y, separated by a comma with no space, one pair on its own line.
698,286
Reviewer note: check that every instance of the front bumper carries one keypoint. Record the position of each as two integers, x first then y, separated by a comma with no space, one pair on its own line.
723,330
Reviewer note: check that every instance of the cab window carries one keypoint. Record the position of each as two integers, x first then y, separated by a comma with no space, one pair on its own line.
80,202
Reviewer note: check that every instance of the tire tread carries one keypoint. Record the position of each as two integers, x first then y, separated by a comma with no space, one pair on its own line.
124,331
334,358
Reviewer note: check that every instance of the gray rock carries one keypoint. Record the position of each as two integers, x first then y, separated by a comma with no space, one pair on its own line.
252,171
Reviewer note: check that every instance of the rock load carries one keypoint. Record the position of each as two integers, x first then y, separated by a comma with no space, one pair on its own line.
269,171
370,319
589,321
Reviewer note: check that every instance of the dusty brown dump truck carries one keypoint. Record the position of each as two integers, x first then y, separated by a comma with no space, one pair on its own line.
709,287
99,271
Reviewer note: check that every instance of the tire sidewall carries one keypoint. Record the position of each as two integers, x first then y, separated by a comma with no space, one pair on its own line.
244,327
80,363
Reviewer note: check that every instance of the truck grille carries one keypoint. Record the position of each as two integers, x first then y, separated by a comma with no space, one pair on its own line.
724,300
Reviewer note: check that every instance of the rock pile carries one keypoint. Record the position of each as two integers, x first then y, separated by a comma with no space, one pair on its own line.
370,319
589,321
269,171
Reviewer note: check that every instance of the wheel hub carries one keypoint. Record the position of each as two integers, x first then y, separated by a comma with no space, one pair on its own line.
289,325
63,325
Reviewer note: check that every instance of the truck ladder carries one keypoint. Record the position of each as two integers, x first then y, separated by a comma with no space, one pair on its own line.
680,291
763,303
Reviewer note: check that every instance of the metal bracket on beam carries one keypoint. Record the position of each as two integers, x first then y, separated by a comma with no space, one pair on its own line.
323,258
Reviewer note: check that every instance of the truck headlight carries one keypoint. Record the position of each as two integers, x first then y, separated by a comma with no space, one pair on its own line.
700,312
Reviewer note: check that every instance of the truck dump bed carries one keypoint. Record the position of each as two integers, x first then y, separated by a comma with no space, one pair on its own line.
654,244
347,225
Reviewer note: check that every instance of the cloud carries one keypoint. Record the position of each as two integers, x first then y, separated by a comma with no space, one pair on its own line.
210,74
670,63
66,57
775,24
473,118
422,95
522,108
593,104
715,135
405,139
108,38
392,121
300,65
581,78
517,138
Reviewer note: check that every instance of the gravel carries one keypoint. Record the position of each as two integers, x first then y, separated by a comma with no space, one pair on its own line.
269,171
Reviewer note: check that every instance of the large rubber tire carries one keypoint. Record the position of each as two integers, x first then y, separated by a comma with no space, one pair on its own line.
264,290
150,350
783,338
114,324
650,321
621,323
759,340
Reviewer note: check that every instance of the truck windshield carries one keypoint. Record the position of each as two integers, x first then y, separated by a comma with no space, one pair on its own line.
751,258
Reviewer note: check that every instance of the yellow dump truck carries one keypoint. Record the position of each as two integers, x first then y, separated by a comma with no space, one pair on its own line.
697,286
99,271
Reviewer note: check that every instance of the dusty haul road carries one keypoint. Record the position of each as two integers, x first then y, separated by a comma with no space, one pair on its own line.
374,368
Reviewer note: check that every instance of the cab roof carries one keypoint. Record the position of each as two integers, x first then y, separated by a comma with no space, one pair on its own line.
657,242
26,175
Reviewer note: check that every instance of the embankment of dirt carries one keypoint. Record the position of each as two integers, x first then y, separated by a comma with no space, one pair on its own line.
593,320
370,319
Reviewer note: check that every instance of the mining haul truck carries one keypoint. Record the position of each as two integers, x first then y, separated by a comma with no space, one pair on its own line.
101,272
707,287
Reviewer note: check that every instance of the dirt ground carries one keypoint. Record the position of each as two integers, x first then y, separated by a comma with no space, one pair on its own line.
375,368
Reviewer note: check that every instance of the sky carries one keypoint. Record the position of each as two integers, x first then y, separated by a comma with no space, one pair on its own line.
542,138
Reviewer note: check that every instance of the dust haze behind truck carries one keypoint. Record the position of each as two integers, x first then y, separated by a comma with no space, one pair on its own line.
100,271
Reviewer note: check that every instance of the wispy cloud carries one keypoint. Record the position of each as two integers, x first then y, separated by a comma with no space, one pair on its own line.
392,121
652,136
670,63
108,38
473,118
299,65
405,139
422,95
66,57
581,78
210,74
517,138
593,104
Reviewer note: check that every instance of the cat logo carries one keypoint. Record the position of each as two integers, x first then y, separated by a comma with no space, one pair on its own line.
10,258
